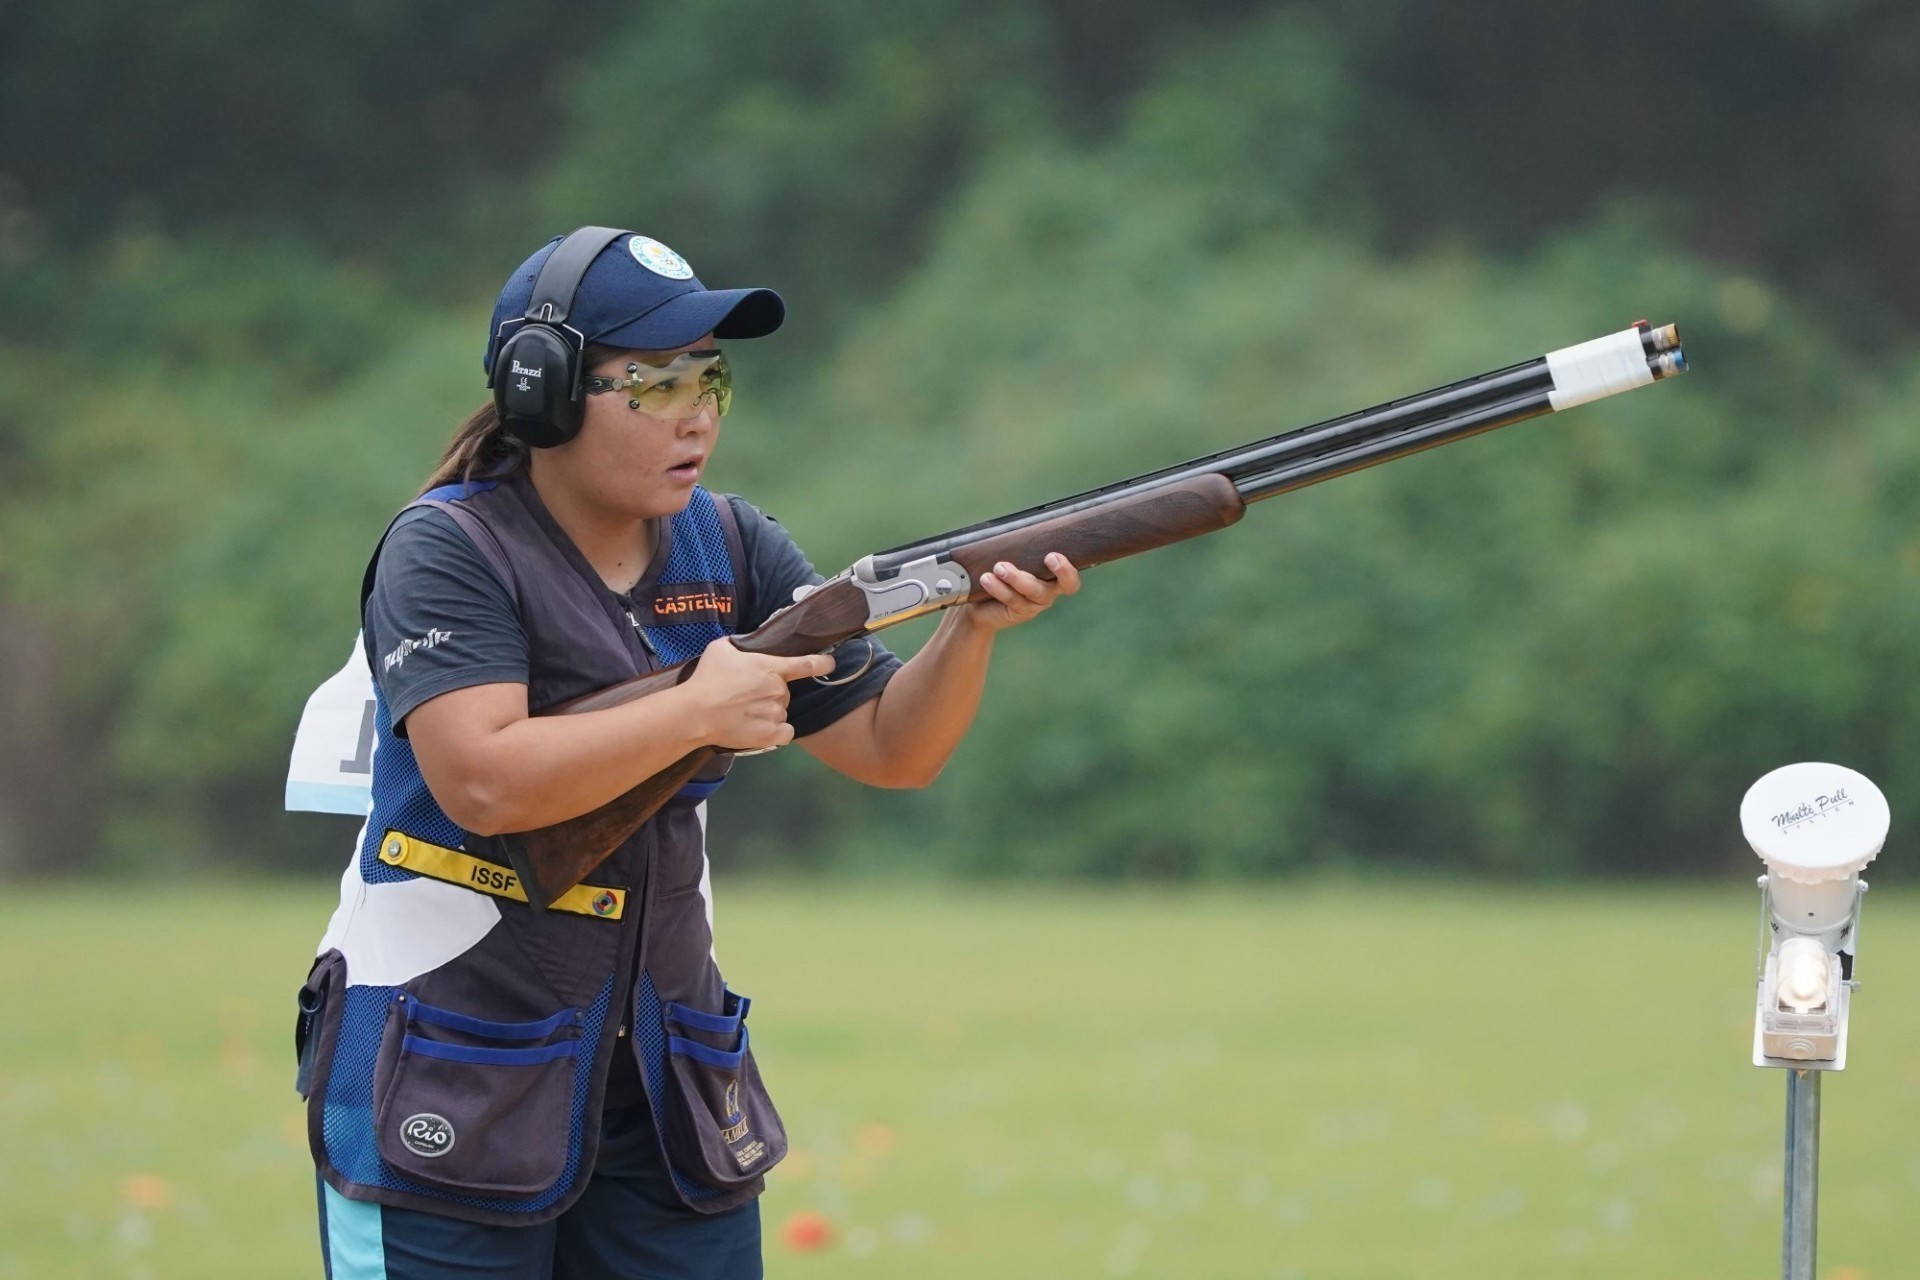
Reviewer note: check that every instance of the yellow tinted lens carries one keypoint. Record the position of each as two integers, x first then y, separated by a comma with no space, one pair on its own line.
658,398
677,390
716,380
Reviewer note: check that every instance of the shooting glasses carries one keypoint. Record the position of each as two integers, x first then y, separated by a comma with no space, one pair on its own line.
672,390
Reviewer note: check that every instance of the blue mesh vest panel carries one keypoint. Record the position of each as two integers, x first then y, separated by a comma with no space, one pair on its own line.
652,1041
698,554
401,801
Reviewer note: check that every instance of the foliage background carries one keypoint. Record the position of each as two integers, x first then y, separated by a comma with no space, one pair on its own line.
1027,248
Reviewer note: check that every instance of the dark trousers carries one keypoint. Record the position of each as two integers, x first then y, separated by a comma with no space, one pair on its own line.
627,1225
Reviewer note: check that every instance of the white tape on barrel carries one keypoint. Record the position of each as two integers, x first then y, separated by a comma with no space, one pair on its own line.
1597,369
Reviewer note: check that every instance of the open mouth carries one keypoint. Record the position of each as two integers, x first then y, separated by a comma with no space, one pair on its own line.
688,470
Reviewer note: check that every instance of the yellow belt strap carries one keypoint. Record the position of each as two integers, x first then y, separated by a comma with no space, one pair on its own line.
397,849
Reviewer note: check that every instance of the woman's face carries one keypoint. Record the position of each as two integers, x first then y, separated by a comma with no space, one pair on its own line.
629,462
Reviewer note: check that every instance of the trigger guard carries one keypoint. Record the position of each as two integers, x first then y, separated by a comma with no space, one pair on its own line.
873,656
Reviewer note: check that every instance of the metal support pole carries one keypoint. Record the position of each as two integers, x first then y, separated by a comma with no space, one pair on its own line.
1802,1200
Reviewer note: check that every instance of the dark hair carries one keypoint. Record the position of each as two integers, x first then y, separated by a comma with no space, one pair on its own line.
481,448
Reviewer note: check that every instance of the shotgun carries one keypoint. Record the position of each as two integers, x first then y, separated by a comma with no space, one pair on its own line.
1123,519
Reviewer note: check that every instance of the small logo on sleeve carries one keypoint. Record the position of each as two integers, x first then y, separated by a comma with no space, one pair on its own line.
426,1134
405,647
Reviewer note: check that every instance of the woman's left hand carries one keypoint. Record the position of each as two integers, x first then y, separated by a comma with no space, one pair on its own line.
1019,595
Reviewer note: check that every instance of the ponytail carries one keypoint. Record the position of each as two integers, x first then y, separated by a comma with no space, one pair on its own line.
482,449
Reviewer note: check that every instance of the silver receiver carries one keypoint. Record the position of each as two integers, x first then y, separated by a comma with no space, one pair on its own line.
917,587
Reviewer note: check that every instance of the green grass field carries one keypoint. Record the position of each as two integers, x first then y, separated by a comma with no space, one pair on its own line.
1306,1082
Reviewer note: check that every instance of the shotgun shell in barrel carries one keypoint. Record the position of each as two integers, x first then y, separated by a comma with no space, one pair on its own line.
1668,364
1657,338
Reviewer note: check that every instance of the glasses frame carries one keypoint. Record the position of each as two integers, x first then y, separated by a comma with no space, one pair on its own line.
641,376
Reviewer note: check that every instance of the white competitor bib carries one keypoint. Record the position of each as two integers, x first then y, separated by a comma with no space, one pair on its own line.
332,766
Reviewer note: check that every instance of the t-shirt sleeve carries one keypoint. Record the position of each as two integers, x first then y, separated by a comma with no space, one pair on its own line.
439,618
775,566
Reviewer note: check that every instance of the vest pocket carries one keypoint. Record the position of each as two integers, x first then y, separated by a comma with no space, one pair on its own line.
474,1106
318,1002
721,1127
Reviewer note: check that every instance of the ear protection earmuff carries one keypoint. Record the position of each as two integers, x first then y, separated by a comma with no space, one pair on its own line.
536,367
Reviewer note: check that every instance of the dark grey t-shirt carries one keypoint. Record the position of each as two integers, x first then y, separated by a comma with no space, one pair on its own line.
440,619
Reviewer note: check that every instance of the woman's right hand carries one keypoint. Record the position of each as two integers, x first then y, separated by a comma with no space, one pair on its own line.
741,697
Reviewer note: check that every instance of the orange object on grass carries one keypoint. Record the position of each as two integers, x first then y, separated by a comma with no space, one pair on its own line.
806,1231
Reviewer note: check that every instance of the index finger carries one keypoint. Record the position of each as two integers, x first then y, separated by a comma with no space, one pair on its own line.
1064,573
812,664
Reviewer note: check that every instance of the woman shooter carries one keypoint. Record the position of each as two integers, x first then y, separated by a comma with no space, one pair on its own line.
502,1091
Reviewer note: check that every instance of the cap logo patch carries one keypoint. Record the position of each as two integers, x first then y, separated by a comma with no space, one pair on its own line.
659,259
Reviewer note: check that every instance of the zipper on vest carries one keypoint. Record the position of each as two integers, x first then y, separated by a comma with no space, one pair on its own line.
645,642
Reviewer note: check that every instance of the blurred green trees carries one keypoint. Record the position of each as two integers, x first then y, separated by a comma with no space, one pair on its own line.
1028,249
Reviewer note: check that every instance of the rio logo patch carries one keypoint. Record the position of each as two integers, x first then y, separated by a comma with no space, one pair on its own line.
426,1134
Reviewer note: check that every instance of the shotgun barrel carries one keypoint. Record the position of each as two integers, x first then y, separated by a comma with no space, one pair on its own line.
1348,456
1558,380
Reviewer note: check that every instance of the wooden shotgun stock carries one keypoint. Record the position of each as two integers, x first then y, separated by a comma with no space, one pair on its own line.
553,859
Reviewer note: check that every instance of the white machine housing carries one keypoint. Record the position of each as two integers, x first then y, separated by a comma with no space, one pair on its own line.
1816,826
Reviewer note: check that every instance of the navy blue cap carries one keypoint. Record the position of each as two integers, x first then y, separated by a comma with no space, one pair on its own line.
641,295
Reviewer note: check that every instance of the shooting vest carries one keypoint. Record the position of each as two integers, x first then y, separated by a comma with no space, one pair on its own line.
454,1042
